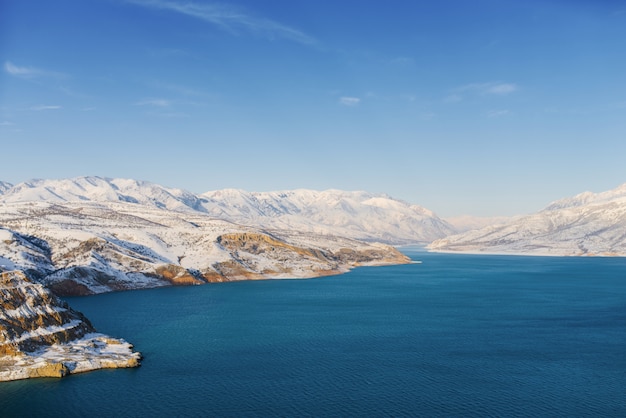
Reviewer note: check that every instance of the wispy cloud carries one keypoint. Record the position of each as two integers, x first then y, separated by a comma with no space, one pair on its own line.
6,123
13,69
349,101
154,102
500,88
402,61
28,72
492,88
229,18
497,113
453,98
176,88
45,107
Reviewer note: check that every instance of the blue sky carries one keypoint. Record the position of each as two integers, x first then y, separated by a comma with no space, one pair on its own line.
479,107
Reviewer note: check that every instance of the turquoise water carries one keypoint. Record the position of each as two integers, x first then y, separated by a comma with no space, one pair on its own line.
457,335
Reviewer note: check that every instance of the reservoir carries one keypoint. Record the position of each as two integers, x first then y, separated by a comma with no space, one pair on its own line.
456,335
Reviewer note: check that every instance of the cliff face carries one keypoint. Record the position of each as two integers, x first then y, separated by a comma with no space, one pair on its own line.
41,336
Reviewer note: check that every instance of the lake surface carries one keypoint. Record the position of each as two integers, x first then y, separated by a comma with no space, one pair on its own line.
458,335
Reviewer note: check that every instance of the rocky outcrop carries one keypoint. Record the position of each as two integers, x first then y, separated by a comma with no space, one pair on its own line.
262,255
41,336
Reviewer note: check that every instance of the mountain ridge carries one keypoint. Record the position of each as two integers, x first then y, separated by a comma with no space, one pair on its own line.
353,214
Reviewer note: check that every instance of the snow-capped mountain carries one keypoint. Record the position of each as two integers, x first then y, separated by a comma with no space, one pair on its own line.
356,215
586,224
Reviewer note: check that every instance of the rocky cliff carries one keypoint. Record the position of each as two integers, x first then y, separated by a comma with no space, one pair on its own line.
41,336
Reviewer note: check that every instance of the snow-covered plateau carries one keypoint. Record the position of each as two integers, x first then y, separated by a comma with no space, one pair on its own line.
588,224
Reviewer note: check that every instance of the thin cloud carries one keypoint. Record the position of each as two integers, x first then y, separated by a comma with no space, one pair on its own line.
176,88
46,107
349,101
28,72
494,87
229,18
13,69
453,98
501,88
154,102
497,113
6,123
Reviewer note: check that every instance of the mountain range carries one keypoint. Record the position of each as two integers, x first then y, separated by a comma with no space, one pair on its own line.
585,224
356,215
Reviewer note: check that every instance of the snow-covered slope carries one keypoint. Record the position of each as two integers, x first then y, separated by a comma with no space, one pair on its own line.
356,215
93,247
4,186
99,189
586,224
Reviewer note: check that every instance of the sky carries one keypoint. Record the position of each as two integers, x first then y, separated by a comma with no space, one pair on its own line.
482,107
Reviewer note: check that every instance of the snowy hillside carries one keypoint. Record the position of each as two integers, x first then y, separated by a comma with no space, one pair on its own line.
356,215
4,186
98,189
586,224
93,247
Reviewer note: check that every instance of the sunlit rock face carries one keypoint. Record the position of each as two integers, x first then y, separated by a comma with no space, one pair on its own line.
41,336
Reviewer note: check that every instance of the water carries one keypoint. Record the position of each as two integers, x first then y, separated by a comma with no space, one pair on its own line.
458,335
